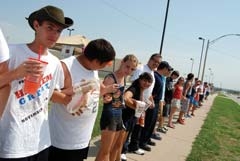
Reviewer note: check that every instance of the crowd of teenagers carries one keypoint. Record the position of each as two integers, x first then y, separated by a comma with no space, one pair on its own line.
56,122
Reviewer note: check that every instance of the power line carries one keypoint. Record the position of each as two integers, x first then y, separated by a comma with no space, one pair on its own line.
224,53
129,16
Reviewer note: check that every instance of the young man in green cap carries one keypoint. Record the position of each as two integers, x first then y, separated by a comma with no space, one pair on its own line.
24,129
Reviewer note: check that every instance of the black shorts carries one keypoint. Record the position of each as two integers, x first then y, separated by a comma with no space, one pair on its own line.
41,156
111,120
56,154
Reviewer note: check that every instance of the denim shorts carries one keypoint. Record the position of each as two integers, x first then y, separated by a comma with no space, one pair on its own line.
166,110
184,105
111,120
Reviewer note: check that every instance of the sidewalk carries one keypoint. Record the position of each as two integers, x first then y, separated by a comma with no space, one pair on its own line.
175,145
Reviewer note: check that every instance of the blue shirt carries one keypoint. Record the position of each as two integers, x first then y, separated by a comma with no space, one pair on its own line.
158,87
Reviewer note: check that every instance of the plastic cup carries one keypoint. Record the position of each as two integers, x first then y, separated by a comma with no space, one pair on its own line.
140,108
82,90
32,82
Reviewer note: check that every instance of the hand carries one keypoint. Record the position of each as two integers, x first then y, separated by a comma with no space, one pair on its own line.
113,88
149,104
108,88
141,104
31,67
79,112
68,91
107,98
66,99
152,105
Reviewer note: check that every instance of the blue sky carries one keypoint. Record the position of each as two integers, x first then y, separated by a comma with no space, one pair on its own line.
135,26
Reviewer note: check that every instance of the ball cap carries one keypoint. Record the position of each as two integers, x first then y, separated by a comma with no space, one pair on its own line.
165,64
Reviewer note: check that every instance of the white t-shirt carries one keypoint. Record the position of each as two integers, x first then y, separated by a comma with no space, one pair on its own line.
24,128
74,132
4,51
144,68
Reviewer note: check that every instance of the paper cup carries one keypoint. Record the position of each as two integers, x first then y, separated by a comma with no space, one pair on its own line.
140,108
31,82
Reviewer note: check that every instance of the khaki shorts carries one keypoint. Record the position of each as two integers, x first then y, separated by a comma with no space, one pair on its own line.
176,103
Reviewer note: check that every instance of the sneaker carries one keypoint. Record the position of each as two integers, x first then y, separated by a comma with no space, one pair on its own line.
123,157
187,116
150,142
139,152
145,147
161,129
156,136
193,114
165,128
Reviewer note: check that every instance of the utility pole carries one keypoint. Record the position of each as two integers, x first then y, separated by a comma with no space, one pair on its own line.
164,27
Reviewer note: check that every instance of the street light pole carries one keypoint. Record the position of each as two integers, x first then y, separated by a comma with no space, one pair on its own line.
70,31
164,27
205,59
192,64
210,43
200,63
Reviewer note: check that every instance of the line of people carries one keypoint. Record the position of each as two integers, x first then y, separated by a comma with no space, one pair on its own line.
33,129
151,100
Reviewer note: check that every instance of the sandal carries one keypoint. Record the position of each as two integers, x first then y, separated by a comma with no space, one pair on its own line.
171,126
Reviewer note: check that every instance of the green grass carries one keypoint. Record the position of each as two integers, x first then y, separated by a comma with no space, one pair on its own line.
96,129
219,138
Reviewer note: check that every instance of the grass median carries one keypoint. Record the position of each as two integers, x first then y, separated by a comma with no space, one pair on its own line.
219,138
96,130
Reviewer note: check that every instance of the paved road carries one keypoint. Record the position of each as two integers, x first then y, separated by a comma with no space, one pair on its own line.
234,98
175,145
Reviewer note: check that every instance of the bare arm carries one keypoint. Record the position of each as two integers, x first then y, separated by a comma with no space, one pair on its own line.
129,101
65,95
4,86
108,86
152,105
6,77
188,85
21,71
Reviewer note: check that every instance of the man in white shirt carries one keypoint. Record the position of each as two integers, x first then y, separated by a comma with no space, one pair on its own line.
4,86
24,128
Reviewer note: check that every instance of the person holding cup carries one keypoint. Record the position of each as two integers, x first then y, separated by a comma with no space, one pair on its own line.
4,86
133,97
24,128
4,56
